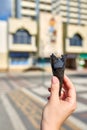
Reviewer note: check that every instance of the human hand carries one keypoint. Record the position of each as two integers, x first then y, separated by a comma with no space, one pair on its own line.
58,108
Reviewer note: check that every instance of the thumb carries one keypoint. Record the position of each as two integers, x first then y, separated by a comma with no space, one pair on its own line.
54,89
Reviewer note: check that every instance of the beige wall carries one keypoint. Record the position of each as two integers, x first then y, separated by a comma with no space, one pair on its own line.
18,68
3,46
24,47
3,61
71,31
28,24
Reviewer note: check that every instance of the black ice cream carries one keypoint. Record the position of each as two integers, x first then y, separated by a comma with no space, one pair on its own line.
58,67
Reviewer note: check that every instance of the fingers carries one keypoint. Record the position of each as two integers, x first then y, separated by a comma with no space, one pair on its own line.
67,82
68,86
54,89
69,93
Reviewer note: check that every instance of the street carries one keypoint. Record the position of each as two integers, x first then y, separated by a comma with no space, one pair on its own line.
23,96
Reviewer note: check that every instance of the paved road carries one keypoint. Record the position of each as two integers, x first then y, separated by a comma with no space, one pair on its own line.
22,97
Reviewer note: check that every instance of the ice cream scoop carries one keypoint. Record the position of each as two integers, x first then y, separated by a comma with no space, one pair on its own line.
58,67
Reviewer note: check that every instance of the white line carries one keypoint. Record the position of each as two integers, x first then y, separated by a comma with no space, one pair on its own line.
48,83
81,107
4,87
74,120
33,95
14,84
79,123
80,88
16,121
41,91
83,95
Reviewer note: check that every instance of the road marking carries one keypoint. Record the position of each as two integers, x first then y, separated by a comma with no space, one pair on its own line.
14,84
29,84
4,88
41,91
41,100
83,95
25,103
81,107
80,88
81,125
47,83
72,125
13,115
78,80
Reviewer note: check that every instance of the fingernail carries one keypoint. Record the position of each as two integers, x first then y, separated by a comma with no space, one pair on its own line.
54,80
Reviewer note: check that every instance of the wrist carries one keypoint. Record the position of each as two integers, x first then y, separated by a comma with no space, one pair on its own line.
49,126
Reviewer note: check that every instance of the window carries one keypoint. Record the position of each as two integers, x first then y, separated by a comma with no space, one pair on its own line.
19,58
76,40
22,36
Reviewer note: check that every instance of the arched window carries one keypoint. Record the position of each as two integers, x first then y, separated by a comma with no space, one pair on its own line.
76,40
22,36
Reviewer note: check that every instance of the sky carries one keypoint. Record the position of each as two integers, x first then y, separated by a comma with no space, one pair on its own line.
5,9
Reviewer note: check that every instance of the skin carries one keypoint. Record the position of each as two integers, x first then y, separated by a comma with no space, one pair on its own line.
57,109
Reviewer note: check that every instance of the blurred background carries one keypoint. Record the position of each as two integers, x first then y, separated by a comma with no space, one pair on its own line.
30,31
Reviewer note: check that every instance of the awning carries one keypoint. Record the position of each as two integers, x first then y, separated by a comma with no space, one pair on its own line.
83,56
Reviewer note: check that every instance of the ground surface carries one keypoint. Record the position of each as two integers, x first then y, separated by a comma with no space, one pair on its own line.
23,96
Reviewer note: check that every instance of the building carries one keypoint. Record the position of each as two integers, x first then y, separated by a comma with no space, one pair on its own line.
3,46
74,23
27,16
33,29
21,29
5,13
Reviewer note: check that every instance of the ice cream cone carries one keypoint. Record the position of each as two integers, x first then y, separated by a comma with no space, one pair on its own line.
58,67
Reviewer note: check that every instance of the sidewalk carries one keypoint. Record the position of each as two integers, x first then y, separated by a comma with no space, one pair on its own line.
48,72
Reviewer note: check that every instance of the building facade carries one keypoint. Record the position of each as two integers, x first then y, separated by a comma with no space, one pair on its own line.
5,13
21,33
36,28
3,46
74,22
27,16
22,30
